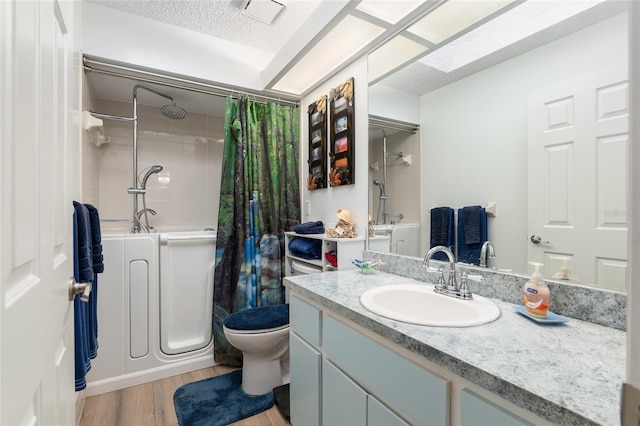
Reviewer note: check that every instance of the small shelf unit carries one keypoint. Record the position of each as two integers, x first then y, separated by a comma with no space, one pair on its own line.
346,250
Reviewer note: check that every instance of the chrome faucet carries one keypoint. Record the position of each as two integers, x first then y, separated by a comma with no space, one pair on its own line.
146,227
451,288
487,248
141,212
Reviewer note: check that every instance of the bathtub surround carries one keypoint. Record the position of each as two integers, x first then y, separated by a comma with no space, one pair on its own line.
217,401
185,193
259,201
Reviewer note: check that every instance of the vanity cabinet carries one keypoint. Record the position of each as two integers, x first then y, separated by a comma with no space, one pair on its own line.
339,376
345,249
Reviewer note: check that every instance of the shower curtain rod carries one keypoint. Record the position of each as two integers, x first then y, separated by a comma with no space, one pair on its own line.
178,83
389,123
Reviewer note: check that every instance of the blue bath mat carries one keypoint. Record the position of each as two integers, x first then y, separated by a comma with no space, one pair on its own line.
217,401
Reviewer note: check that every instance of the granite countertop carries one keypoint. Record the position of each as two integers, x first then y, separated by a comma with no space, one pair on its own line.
569,373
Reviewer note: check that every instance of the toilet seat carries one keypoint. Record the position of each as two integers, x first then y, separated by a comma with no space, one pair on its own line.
261,331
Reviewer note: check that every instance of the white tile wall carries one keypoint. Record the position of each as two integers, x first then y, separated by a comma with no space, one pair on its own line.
185,193
403,182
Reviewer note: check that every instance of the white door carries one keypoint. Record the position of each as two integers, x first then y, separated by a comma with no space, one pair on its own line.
39,175
578,206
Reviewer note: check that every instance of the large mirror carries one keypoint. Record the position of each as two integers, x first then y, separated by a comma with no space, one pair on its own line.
534,131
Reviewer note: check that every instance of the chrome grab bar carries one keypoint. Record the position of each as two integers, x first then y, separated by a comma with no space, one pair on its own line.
165,238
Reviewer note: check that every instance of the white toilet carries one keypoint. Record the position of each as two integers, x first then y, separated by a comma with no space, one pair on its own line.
262,334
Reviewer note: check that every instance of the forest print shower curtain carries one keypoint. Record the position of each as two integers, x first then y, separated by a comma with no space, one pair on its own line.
259,201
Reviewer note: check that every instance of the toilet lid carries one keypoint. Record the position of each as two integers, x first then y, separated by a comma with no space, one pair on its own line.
261,318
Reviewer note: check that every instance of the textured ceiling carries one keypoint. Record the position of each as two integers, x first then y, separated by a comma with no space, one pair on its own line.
221,18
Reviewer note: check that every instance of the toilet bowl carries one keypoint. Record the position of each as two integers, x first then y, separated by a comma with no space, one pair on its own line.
262,334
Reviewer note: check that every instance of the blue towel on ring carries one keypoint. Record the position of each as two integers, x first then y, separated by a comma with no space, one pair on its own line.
442,230
470,253
471,224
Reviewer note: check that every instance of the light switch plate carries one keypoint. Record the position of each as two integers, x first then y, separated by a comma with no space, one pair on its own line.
630,415
307,208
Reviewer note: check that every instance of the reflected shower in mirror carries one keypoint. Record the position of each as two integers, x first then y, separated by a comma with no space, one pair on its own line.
394,195
539,127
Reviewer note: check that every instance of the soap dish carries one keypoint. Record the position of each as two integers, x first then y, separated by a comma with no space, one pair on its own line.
367,266
550,319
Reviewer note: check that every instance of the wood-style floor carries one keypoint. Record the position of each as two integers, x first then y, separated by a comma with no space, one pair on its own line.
151,404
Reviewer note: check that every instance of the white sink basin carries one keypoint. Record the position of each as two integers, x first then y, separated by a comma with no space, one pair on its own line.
419,304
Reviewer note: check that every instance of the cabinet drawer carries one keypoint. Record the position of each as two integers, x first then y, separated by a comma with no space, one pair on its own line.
400,384
306,320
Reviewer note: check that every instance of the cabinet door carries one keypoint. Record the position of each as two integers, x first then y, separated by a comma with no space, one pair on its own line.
343,401
304,370
477,411
379,415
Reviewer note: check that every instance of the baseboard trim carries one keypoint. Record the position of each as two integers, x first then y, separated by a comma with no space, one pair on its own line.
139,377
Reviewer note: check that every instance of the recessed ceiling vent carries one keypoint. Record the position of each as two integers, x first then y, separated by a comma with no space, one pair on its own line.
266,11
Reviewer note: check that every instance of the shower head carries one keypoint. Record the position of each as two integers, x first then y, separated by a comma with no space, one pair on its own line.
174,111
381,185
152,170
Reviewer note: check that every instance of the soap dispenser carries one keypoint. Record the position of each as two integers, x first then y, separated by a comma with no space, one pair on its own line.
564,273
537,297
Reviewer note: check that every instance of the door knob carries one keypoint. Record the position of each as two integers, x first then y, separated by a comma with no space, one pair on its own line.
75,288
536,239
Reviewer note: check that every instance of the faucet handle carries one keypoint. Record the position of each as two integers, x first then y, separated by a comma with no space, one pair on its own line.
440,283
464,291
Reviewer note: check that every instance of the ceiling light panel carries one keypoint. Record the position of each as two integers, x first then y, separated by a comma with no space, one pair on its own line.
454,16
510,27
392,54
390,11
345,40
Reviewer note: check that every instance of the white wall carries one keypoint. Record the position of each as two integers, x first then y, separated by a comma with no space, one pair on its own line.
325,202
474,131
135,40
385,101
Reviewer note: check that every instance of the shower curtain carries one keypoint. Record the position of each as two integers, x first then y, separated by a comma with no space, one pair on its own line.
259,201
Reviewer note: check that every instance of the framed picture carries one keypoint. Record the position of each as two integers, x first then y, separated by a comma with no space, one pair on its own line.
317,144
342,165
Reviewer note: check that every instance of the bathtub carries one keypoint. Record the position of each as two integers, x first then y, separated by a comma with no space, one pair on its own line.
155,303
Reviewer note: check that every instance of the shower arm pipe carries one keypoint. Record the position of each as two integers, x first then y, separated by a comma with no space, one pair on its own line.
180,83
110,117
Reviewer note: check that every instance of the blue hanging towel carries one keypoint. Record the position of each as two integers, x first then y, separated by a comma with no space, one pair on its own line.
472,233
98,267
442,230
83,272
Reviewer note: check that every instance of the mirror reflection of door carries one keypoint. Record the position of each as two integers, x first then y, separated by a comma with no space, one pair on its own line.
578,145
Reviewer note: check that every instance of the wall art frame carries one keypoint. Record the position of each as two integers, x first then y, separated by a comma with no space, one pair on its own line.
317,161
342,135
